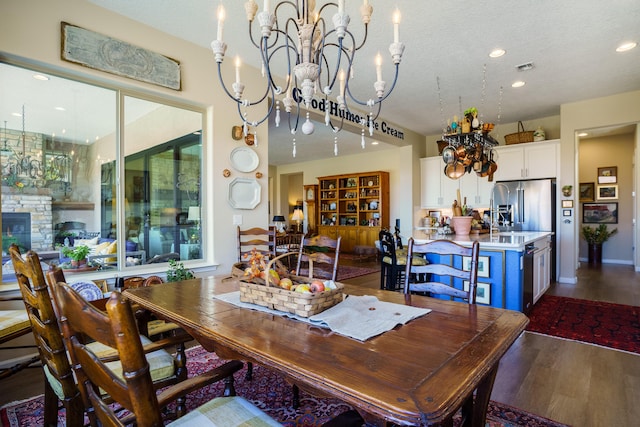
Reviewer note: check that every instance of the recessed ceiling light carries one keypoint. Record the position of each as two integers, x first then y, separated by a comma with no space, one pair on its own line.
40,77
60,109
583,134
497,53
374,142
519,83
626,46
16,114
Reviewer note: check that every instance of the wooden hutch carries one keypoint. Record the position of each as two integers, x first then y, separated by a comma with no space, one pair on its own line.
354,206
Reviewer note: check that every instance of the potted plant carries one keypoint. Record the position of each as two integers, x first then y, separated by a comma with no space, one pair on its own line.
177,272
77,254
595,237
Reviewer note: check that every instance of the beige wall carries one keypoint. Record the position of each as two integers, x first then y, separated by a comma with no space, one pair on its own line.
617,109
604,152
399,162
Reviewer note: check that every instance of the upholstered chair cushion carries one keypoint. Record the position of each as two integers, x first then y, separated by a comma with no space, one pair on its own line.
401,258
12,321
226,412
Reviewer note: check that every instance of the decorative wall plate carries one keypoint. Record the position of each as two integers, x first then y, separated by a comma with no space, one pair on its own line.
244,159
244,193
88,290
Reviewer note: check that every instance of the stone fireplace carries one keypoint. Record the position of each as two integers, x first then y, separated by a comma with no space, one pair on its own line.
28,217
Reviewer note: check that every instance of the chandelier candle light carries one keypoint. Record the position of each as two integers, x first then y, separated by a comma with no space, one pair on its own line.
321,57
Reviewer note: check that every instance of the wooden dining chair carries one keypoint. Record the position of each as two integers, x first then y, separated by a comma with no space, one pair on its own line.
393,260
324,254
148,324
60,385
444,273
263,240
134,390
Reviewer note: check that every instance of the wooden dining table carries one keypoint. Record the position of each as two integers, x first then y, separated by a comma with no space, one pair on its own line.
419,373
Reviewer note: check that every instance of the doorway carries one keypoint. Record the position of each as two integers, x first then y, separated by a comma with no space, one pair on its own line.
606,181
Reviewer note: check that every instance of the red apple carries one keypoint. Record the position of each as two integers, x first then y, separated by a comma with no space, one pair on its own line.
317,286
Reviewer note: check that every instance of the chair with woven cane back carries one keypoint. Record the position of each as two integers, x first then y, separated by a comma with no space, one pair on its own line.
134,390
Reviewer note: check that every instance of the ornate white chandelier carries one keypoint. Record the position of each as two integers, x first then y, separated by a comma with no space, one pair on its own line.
318,59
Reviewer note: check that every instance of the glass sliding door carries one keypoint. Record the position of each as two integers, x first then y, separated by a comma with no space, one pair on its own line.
162,183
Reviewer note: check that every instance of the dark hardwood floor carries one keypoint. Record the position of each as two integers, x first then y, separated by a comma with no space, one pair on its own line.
577,384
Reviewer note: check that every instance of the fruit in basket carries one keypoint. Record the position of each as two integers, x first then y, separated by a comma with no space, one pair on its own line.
286,283
317,286
303,288
274,277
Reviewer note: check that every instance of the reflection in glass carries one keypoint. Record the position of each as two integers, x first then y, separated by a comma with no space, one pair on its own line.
60,162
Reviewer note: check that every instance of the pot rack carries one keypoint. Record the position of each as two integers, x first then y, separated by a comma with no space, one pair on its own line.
467,152
471,139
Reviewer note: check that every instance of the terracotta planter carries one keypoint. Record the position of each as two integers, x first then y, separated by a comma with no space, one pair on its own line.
461,225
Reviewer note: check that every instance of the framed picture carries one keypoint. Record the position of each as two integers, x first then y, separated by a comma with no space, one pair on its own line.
435,214
483,292
483,265
608,175
587,191
567,203
566,212
600,213
607,192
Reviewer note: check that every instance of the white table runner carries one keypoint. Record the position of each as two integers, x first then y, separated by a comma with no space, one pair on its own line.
358,317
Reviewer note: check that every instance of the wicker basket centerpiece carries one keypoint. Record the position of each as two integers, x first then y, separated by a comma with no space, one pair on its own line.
263,285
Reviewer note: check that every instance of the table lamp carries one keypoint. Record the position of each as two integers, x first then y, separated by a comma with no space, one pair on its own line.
278,221
194,215
298,216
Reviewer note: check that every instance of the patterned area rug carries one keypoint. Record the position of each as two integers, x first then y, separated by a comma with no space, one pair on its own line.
610,325
272,394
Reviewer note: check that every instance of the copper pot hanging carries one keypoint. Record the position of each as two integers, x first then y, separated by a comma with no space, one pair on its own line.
454,171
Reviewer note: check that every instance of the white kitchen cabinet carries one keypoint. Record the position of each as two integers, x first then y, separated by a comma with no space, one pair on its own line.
476,189
439,191
527,161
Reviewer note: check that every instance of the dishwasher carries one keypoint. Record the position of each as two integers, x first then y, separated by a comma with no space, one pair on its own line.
530,272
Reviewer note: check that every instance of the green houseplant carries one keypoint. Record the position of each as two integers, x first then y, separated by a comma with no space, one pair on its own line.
77,254
595,237
177,272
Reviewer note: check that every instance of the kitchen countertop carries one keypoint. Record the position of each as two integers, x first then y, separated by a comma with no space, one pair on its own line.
504,240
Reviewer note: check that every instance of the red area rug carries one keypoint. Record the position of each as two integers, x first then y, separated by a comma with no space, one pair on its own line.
610,325
272,394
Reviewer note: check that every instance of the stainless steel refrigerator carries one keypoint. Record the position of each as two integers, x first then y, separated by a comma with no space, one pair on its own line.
527,206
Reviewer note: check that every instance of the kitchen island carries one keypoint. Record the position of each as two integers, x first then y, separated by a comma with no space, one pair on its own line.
514,267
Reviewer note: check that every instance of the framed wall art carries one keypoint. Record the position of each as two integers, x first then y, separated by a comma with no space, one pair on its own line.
567,203
587,191
607,192
483,292
600,213
608,175
483,265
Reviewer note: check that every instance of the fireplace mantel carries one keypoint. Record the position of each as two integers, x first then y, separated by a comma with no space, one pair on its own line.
72,206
